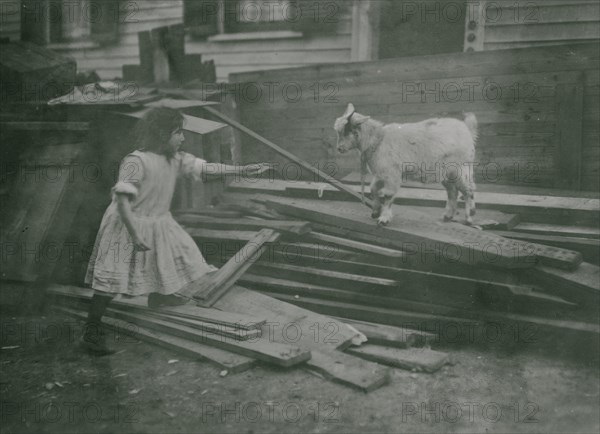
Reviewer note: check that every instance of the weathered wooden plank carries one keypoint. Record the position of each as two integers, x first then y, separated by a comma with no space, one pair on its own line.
140,304
434,323
558,230
321,334
232,362
569,129
261,349
532,208
400,337
408,233
211,287
285,226
589,248
414,359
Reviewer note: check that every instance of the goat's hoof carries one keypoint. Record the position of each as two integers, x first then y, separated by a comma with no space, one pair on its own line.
447,219
382,221
469,221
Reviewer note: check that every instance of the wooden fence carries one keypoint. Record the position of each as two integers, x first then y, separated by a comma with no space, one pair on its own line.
538,109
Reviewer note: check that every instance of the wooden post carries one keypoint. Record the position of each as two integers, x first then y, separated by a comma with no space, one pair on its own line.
569,135
365,35
474,25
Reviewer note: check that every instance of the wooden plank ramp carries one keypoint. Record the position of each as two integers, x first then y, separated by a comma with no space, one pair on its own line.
233,363
547,209
324,337
454,242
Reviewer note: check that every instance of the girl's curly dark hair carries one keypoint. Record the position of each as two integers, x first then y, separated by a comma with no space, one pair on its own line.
154,130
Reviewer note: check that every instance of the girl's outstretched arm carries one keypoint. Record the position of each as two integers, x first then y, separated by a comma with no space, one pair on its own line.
218,169
124,207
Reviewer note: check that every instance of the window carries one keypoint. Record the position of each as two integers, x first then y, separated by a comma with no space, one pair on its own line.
204,18
68,21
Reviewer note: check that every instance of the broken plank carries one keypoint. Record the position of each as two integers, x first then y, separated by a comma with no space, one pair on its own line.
349,371
140,304
261,349
414,359
216,284
287,226
234,363
386,335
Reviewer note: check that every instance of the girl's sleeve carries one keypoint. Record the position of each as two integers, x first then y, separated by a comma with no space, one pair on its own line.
131,173
190,165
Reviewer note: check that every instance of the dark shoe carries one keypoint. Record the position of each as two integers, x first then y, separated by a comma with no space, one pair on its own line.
156,300
94,341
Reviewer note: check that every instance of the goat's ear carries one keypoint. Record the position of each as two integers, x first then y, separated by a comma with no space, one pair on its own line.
349,111
358,119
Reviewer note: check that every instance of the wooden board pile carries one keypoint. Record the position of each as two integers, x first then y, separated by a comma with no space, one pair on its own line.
417,270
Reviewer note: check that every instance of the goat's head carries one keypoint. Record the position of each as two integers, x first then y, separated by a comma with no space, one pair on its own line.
348,130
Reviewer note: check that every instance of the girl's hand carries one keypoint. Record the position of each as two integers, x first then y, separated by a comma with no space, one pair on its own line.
257,169
139,245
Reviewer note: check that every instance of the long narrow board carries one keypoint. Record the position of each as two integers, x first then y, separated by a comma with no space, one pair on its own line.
263,349
209,290
324,337
331,180
530,208
453,242
234,363
437,324
140,304
415,359
285,226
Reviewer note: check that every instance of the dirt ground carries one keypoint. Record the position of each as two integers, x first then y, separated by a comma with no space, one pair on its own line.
49,385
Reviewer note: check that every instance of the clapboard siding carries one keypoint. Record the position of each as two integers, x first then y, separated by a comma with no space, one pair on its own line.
519,135
243,56
229,56
542,23
10,20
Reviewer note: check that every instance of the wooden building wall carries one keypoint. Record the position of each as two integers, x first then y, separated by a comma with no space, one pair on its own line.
230,54
10,19
524,23
537,108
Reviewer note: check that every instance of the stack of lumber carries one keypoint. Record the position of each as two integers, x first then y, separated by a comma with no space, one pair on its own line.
276,333
417,270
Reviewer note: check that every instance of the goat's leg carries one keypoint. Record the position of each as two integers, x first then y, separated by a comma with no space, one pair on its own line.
452,202
387,196
467,187
376,186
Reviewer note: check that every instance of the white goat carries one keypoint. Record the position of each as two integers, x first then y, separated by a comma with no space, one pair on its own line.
396,152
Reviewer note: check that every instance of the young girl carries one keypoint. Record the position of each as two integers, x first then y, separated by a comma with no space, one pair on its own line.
140,249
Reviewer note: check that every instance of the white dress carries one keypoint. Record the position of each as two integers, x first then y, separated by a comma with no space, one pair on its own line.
174,259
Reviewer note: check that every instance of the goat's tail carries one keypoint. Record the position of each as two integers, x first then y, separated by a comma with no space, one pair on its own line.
472,124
